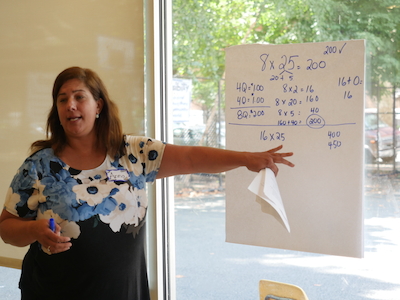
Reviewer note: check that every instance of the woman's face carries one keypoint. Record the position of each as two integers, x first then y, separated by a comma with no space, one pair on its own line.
77,109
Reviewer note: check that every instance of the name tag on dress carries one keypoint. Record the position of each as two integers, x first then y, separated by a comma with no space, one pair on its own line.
117,175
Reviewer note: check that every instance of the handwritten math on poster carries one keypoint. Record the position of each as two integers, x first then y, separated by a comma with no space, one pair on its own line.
310,99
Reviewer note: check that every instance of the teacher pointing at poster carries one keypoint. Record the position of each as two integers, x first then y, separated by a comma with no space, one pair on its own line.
90,178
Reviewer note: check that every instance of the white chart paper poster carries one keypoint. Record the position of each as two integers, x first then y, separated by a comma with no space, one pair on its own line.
310,99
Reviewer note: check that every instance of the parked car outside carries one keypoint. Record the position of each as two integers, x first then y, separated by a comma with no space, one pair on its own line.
379,138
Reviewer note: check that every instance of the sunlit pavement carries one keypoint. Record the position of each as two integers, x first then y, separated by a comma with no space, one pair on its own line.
208,268
9,284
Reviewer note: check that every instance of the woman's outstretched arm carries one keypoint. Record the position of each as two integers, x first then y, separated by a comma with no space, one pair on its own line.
197,159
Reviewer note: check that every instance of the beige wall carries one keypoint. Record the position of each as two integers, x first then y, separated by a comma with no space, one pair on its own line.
39,39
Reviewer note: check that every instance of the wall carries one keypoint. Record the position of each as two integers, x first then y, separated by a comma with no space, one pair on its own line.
38,41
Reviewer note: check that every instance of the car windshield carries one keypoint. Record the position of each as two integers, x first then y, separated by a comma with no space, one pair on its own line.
371,122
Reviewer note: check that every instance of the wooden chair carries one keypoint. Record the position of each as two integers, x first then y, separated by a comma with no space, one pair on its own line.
272,290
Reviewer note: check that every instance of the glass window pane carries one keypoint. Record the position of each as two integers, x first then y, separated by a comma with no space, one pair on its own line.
206,266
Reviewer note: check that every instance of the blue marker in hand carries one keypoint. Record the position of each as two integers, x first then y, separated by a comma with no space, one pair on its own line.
52,225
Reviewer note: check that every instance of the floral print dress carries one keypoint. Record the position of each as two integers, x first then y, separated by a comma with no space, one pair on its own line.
103,210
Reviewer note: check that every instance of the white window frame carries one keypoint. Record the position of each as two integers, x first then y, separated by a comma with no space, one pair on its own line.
160,222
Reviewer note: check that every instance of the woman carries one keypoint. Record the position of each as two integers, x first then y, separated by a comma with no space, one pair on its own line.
90,178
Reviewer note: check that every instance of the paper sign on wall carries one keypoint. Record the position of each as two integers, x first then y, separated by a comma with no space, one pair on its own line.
310,99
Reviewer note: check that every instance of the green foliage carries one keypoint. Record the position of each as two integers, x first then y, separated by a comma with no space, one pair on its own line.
376,21
203,29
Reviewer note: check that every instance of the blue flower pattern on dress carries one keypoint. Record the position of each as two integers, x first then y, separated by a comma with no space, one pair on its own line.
45,186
